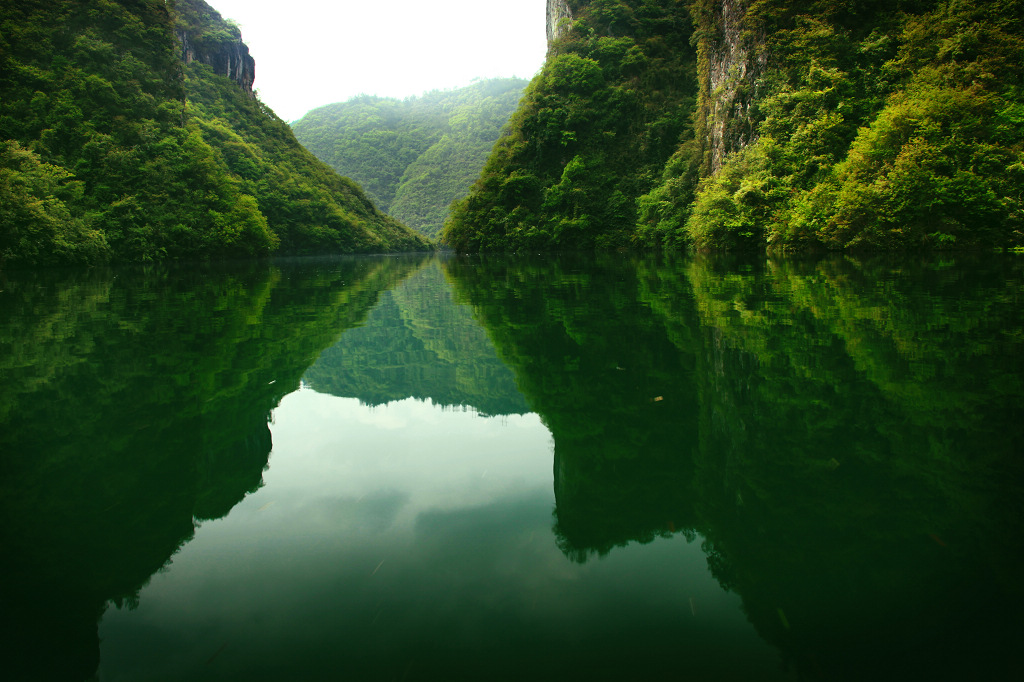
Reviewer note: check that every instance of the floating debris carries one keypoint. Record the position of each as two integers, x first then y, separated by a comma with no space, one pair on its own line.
782,617
217,653
378,567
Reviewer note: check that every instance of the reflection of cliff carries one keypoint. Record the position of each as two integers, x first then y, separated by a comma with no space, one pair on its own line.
131,407
859,480
616,394
843,435
419,343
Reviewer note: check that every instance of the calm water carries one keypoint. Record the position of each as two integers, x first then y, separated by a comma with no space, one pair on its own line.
551,468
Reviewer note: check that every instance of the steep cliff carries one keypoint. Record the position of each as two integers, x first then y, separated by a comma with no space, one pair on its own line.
753,124
592,134
558,12
206,38
730,63
860,124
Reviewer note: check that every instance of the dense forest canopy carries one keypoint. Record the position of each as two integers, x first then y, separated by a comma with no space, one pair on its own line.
593,132
119,141
734,124
129,131
414,157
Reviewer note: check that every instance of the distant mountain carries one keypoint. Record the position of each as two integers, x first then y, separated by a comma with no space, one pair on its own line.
414,157
129,131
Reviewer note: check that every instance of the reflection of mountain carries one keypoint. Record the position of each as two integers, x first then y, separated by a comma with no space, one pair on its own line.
843,435
131,407
616,394
419,343
859,476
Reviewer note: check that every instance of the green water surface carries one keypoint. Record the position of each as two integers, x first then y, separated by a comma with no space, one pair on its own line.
514,468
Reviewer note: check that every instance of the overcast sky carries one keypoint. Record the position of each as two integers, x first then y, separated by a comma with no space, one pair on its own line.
314,52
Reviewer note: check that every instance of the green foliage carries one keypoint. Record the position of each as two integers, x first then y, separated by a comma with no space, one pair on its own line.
35,221
113,150
593,133
879,125
928,171
416,156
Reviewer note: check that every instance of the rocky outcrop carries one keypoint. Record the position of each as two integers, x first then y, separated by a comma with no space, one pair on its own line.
734,63
206,38
557,11
231,59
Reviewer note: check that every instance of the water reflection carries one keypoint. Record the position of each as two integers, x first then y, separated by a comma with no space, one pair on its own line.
836,439
844,435
417,343
859,473
133,405
617,394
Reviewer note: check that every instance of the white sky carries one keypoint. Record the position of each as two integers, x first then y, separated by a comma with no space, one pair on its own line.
314,52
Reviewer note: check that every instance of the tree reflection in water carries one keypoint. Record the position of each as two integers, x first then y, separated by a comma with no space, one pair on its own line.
841,435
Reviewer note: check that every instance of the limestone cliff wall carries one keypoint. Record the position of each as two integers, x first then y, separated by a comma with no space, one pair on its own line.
735,59
231,59
206,38
557,11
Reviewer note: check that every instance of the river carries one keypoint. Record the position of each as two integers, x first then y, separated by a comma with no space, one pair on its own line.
507,467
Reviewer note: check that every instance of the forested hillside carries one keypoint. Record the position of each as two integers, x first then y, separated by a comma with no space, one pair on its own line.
593,132
854,124
414,157
113,148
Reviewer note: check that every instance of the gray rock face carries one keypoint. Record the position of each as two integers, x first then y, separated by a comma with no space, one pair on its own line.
206,38
734,66
557,10
231,59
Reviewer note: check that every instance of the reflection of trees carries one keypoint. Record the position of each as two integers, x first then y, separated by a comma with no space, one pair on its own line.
133,406
419,343
615,392
858,477
843,434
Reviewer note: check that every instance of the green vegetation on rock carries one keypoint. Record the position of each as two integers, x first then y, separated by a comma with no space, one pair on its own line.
414,157
112,148
593,132
878,125
739,124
